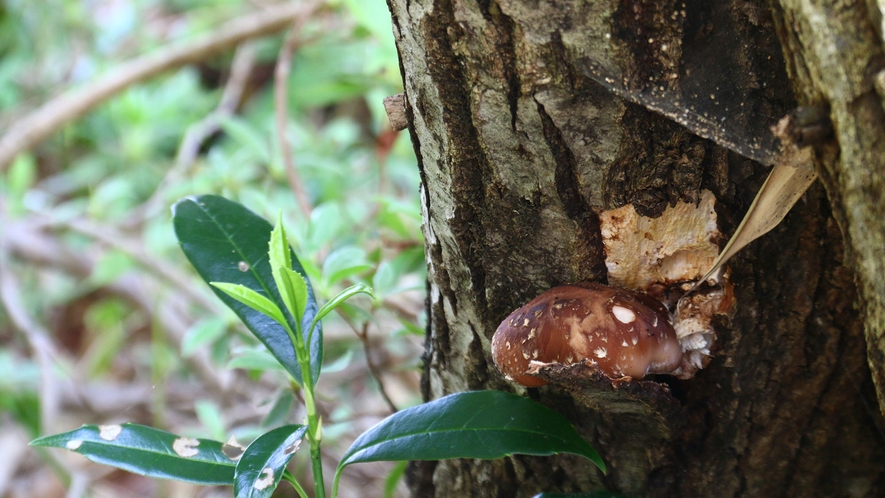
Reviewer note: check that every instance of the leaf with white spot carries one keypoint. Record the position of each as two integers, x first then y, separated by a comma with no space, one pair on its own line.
225,242
149,452
261,467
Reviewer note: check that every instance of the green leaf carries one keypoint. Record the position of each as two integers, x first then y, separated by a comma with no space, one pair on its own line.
344,262
340,363
293,288
209,414
251,299
279,245
385,278
478,424
279,412
202,333
254,359
226,242
149,452
393,478
261,467
340,298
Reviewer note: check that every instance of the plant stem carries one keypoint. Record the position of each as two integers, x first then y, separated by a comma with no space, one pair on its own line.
314,429
295,484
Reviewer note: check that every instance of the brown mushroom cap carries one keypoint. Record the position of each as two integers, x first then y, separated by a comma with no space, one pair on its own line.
626,333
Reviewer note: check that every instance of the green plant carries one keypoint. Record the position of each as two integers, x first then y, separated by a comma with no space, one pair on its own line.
254,271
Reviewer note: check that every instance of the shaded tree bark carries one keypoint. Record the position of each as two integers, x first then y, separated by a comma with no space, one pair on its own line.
520,151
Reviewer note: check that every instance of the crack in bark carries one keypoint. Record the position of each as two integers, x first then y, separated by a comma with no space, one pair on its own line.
467,173
567,184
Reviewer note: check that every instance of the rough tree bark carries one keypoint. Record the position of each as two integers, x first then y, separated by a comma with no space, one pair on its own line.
519,152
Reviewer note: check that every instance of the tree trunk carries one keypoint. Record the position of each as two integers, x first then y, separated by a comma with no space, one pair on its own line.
520,151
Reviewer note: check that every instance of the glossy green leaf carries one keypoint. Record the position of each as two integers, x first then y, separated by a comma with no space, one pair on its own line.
478,424
261,467
149,452
251,299
293,288
226,242
253,359
296,291
342,296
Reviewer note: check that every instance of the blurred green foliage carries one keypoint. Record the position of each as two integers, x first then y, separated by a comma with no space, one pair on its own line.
97,194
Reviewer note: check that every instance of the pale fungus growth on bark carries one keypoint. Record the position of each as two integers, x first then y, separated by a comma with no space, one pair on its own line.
664,257
624,333
647,253
186,447
109,432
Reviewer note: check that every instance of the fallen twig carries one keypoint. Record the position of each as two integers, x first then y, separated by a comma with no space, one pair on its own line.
32,245
281,76
197,133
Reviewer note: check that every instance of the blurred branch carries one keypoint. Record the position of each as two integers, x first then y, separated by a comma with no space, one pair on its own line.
363,334
38,338
197,133
72,104
109,237
281,106
28,242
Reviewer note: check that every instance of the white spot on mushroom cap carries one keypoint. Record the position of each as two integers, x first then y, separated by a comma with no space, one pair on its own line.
624,315
265,480
73,444
186,447
109,432
600,352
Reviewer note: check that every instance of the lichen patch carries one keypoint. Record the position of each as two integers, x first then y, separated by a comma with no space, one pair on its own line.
109,432
186,447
